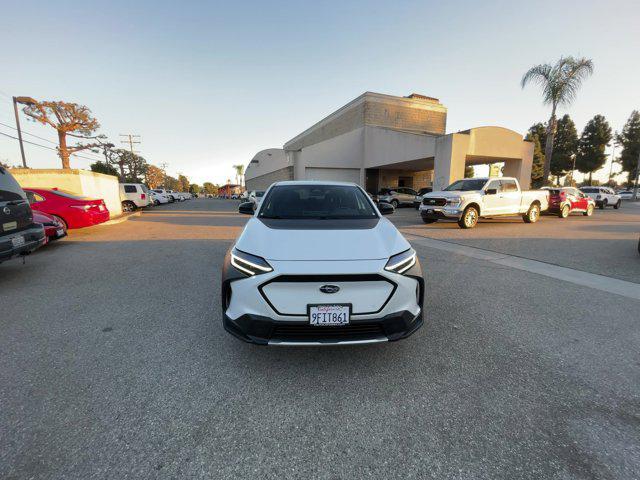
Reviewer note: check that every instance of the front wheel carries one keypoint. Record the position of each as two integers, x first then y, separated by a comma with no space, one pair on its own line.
564,212
603,204
617,205
533,214
589,211
469,218
394,202
128,206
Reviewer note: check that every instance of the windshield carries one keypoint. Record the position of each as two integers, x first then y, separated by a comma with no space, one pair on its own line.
590,190
9,188
316,202
422,191
467,185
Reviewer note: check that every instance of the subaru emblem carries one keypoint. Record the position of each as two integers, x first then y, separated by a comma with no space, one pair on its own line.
329,288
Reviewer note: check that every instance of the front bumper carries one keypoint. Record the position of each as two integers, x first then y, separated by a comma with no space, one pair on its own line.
440,213
266,331
256,312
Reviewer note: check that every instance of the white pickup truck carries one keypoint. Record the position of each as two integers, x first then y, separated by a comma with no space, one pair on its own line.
468,200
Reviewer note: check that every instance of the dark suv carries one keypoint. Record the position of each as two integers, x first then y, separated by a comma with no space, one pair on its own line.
18,234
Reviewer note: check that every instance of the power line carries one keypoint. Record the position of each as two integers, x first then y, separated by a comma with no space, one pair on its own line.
27,133
44,146
130,140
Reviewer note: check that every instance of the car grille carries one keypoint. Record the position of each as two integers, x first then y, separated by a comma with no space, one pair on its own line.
357,331
434,202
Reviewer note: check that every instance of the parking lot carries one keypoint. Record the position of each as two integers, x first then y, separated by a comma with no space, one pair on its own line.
115,364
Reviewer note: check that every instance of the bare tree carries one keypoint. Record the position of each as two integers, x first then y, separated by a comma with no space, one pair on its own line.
68,119
560,84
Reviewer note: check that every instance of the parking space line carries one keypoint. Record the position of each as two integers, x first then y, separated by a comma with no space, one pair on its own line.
565,274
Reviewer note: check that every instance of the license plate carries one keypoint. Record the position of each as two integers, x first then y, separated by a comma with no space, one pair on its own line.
9,226
322,315
60,232
17,241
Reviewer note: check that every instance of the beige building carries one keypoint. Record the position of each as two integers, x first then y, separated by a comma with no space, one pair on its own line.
381,140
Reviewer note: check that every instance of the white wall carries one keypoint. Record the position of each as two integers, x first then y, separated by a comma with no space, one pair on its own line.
384,146
268,161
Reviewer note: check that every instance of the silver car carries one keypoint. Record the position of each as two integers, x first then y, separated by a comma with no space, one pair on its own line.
397,196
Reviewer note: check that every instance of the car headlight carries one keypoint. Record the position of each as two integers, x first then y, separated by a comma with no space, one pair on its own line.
401,262
454,201
249,264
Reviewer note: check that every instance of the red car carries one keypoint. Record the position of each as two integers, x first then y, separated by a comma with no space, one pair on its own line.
53,228
71,210
566,200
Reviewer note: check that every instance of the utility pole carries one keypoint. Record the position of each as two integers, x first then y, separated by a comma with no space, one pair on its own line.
613,156
15,110
130,140
635,188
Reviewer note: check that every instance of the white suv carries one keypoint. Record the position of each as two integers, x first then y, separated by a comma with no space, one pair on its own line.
134,195
603,196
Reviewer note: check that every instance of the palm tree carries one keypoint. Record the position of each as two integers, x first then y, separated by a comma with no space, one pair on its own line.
239,173
560,84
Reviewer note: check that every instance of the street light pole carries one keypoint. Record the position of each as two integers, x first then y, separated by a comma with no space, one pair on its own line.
613,157
15,110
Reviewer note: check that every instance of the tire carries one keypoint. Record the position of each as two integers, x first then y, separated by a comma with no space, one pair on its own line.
395,203
533,214
617,205
156,202
61,220
469,218
564,211
429,220
589,211
128,206
603,204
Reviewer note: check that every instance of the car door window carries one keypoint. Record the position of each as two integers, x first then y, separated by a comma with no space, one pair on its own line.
130,189
508,186
494,184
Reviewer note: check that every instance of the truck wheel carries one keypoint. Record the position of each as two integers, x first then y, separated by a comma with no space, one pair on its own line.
603,204
617,205
533,214
564,212
589,211
469,218
128,206
429,220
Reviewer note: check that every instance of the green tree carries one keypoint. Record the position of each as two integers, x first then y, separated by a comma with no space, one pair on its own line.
593,141
68,119
210,188
560,84
171,183
565,147
104,167
468,172
629,138
239,172
536,132
132,167
183,183
194,188
154,176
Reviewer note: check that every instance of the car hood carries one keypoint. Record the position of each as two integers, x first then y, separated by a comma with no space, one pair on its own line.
451,193
283,242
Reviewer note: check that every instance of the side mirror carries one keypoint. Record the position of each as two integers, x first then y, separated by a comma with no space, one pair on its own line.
491,191
386,208
246,208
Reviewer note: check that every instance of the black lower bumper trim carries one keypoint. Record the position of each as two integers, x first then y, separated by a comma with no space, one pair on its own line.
260,330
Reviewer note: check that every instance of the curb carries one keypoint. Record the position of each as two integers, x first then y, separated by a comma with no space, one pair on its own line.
123,218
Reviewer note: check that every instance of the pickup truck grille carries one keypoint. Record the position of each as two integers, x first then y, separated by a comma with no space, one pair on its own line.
434,202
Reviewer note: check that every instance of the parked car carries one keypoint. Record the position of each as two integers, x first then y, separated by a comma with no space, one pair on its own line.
420,195
286,282
133,196
166,193
468,200
397,197
256,197
628,195
603,196
73,211
566,200
158,198
19,233
53,229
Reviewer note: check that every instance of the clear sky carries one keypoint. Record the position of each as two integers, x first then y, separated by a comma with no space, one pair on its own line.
208,84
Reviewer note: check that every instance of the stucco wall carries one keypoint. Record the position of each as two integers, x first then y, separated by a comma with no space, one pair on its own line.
79,182
264,162
264,181
384,146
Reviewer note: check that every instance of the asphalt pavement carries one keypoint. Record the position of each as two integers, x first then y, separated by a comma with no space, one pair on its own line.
115,364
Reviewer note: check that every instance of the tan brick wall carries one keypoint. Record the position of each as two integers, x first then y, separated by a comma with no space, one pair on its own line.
389,178
405,117
264,181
